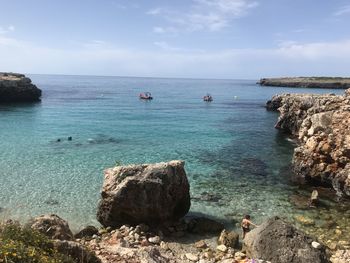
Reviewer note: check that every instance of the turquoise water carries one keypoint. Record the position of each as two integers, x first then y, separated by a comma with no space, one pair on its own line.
233,153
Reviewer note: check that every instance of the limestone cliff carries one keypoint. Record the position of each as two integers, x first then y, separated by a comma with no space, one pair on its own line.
17,88
322,125
307,82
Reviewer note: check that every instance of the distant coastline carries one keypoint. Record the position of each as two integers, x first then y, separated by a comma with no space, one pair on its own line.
307,82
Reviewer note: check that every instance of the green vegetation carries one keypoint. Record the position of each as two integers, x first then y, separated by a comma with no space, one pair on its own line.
24,245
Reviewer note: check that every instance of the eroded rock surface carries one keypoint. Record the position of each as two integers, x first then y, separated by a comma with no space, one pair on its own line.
16,87
146,193
279,242
322,125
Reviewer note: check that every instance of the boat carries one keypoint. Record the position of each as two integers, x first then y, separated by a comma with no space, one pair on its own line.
146,96
208,98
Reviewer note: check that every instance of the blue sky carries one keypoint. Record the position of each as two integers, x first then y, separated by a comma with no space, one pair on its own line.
194,38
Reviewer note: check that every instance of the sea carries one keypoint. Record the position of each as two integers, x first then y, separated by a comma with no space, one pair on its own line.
237,163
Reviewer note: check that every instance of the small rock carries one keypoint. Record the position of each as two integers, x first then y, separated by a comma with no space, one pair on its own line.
338,232
191,257
229,239
222,248
144,243
239,256
316,245
200,244
304,220
102,231
154,240
164,245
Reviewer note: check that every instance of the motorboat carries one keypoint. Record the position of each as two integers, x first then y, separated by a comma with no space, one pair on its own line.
146,96
208,98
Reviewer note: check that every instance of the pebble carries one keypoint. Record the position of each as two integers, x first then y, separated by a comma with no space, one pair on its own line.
239,256
200,244
222,248
154,240
164,245
191,257
316,245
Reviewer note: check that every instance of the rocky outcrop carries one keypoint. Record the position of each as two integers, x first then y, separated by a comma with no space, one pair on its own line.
322,125
307,82
279,242
52,226
17,88
146,193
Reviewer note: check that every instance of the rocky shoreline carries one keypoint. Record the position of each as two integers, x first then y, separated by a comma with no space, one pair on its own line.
307,82
172,236
321,124
16,87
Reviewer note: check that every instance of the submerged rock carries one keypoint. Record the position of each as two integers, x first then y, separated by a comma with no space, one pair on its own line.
16,87
52,226
279,242
322,125
146,193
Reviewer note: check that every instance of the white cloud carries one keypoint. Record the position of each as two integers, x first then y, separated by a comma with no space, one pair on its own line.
155,11
163,30
291,59
11,28
212,15
8,29
165,46
342,11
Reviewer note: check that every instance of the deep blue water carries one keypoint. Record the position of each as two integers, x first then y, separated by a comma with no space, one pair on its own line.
230,146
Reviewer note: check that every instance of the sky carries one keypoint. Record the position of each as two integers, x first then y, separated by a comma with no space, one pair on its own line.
230,39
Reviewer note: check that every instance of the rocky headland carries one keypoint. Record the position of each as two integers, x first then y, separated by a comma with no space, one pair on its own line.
321,124
307,82
16,87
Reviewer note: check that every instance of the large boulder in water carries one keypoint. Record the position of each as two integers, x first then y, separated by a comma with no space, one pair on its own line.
279,242
146,193
16,87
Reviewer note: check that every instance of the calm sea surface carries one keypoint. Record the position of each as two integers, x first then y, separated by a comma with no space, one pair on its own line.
236,161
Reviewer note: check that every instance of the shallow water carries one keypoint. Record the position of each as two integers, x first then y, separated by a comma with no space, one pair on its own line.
236,161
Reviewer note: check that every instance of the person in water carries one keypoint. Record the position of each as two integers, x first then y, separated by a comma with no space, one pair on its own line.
246,223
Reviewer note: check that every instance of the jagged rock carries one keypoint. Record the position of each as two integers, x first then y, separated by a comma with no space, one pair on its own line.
88,231
52,226
322,125
279,242
16,87
75,250
147,193
229,239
